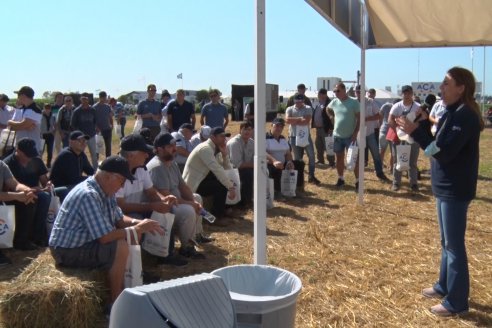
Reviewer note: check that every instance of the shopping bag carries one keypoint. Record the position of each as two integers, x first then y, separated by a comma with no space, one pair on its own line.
351,158
157,244
403,157
329,142
302,135
138,125
233,175
52,211
288,183
7,225
117,130
7,142
99,143
270,192
133,270
392,136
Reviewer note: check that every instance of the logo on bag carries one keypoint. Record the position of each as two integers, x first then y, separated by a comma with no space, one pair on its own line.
51,217
404,158
4,227
301,133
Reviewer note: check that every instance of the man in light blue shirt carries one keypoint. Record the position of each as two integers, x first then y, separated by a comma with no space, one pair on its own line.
214,114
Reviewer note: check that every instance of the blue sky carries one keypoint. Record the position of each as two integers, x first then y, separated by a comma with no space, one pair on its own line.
121,46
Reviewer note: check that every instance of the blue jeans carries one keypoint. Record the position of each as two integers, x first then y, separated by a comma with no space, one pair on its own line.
372,144
298,153
454,279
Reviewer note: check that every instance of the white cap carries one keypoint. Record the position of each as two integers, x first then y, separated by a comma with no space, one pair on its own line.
205,131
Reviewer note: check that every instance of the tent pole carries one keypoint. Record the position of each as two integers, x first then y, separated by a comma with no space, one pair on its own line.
260,168
362,123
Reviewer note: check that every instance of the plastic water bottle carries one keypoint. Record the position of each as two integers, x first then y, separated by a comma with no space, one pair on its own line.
207,215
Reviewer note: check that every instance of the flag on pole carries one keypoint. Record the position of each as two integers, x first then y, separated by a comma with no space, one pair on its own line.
180,76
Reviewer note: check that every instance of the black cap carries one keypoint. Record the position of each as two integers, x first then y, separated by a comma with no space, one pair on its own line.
406,88
28,147
4,97
301,86
117,164
78,134
322,91
186,126
298,96
430,100
135,142
278,120
165,93
217,130
26,91
164,139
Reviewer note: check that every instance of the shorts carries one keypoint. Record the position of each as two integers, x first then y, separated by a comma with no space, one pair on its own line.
383,143
92,255
340,144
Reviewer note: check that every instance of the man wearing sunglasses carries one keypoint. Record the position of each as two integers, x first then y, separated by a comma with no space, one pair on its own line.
214,114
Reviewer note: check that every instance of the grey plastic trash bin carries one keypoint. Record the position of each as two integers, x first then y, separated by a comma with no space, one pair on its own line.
263,296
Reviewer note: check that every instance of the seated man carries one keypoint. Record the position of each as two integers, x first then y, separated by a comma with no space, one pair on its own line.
89,230
139,198
204,172
28,168
70,164
241,151
183,144
24,198
201,136
280,158
167,179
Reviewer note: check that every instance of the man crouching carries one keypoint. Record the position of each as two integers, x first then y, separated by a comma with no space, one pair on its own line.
89,230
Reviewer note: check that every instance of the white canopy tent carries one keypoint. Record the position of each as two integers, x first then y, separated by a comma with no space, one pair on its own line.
371,24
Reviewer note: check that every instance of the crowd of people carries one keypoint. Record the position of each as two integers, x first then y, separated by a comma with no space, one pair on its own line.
167,166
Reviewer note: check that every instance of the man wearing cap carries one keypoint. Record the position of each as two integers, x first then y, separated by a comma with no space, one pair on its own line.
324,127
167,179
301,89
149,110
28,168
84,119
347,114
205,174
300,115
214,114
70,165
201,136
403,108
6,112
89,230
104,121
241,150
183,144
26,120
180,112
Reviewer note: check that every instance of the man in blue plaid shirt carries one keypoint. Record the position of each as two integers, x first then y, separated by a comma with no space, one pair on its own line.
89,230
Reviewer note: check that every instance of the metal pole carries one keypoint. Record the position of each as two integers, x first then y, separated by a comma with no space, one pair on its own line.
362,123
260,167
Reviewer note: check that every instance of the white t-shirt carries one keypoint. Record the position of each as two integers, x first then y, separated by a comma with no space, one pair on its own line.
371,109
277,149
134,192
35,134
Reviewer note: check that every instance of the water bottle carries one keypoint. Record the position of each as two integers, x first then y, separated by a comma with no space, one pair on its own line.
207,215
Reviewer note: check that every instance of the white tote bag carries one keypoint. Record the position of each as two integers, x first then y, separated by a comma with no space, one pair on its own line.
117,130
403,157
270,192
302,135
157,244
138,125
233,175
288,183
52,211
99,143
352,154
133,271
329,142
7,225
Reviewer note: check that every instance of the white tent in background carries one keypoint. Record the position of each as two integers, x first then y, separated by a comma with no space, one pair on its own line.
372,24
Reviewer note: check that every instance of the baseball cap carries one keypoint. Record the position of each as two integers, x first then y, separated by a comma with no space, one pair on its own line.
78,134
430,100
28,147
117,164
26,91
406,88
278,120
217,130
205,131
164,139
135,142
4,97
301,86
322,91
298,96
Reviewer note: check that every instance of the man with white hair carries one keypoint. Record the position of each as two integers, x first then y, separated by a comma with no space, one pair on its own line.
201,136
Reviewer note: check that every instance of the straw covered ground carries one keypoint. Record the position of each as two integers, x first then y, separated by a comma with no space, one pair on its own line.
361,266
